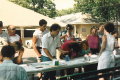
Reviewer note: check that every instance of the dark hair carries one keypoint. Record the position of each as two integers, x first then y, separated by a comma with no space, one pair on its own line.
55,27
86,43
8,51
42,22
109,27
114,32
69,27
1,24
93,27
75,46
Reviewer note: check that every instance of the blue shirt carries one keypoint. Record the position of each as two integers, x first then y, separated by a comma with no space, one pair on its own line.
11,71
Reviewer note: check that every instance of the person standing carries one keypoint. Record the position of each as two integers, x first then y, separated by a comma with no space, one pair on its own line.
93,41
69,34
4,38
37,37
100,33
106,59
9,70
51,42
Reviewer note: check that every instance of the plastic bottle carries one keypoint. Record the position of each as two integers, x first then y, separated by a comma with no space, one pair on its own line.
67,58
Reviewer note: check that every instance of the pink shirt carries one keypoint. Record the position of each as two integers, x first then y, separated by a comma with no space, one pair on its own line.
93,41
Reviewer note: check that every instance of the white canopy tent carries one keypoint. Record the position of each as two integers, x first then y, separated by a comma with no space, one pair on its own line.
76,18
13,14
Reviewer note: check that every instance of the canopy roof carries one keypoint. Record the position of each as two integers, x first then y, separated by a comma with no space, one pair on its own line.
13,14
76,18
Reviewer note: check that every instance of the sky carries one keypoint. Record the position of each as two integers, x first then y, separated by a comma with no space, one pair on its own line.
63,4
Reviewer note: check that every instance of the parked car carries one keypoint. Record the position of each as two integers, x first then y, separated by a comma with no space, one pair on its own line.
28,43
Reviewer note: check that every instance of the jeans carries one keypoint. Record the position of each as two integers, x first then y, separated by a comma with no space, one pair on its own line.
48,75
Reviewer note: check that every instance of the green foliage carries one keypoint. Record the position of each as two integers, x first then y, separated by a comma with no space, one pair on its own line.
45,7
65,12
103,10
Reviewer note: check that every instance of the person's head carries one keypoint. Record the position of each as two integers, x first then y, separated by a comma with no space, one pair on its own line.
43,24
1,25
7,51
109,27
75,46
101,27
69,27
115,34
93,30
55,29
11,29
84,45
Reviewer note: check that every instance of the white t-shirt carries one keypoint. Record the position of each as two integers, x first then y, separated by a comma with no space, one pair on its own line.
14,38
51,44
4,38
39,34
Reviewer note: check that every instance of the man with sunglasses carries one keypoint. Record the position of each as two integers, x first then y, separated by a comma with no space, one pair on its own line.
12,34
13,38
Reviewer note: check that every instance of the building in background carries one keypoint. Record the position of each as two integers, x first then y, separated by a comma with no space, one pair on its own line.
24,19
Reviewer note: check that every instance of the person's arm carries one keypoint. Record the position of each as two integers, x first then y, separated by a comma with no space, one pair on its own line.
34,40
104,41
62,51
19,58
20,40
48,53
63,37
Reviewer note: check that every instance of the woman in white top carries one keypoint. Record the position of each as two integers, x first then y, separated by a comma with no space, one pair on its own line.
106,59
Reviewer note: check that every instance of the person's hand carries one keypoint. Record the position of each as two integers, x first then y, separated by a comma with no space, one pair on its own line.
1,59
89,54
65,52
39,55
21,51
85,55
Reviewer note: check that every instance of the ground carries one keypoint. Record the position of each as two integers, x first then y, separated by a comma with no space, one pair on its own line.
29,56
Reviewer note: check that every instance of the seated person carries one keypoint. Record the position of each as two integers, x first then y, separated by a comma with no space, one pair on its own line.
19,52
86,52
9,70
16,41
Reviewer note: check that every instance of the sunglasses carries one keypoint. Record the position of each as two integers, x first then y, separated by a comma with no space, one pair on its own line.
13,29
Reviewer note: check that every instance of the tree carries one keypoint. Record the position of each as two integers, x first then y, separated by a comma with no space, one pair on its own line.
103,10
65,11
45,7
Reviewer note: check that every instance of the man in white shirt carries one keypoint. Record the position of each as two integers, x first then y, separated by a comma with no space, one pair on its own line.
13,39
51,42
37,37
12,34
